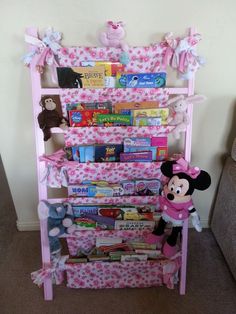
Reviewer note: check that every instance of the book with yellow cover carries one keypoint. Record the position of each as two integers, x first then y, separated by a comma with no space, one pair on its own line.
161,113
127,106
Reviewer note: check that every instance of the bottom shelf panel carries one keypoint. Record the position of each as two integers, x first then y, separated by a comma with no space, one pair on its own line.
99,275
86,239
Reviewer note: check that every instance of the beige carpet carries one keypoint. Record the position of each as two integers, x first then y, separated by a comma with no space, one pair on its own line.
211,288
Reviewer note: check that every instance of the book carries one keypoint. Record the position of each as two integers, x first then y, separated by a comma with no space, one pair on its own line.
140,114
142,245
102,241
152,254
136,141
111,68
136,157
82,210
108,152
128,106
113,120
134,225
141,80
133,149
134,258
90,105
77,190
76,260
81,77
80,118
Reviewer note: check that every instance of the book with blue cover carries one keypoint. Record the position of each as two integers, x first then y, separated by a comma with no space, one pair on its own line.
108,152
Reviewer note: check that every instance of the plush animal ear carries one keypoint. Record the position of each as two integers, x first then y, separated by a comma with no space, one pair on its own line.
68,207
195,98
172,100
121,23
43,210
203,181
167,168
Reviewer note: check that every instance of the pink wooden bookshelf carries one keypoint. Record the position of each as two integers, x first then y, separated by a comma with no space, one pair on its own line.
37,92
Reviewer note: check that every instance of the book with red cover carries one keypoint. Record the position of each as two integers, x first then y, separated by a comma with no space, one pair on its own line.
80,118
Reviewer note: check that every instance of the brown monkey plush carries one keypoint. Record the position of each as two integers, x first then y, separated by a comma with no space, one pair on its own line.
50,117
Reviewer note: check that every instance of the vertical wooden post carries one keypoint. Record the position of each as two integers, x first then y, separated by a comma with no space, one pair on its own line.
40,150
187,150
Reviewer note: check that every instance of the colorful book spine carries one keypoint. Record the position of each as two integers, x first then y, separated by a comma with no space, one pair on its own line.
113,120
136,157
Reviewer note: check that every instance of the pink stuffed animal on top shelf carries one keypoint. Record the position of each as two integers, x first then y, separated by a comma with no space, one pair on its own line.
114,35
179,117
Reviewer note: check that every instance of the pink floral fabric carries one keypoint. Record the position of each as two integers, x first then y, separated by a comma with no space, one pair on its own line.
98,275
139,200
142,59
114,95
114,135
86,239
112,172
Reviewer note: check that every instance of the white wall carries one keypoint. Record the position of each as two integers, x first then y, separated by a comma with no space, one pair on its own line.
146,22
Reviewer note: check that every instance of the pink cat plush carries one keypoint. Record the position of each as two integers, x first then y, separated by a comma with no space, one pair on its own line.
114,35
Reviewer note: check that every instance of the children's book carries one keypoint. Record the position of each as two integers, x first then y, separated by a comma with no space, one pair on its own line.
133,149
141,80
161,113
83,210
136,157
137,141
111,68
108,152
80,118
81,77
113,120
127,106
134,225
90,106
80,153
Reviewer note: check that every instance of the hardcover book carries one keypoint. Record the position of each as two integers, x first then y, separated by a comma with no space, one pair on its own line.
118,107
80,118
108,152
111,68
161,113
136,157
90,105
113,120
81,77
141,80
134,225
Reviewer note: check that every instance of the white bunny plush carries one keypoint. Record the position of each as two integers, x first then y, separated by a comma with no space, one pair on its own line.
179,117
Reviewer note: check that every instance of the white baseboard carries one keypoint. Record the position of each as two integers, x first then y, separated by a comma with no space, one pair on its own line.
27,225
34,225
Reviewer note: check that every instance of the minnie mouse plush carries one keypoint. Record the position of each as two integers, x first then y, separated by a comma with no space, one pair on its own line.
176,203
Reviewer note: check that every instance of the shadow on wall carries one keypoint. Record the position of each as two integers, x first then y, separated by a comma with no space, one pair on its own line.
232,133
8,214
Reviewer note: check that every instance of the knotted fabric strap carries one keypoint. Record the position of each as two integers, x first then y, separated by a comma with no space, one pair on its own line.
183,166
55,271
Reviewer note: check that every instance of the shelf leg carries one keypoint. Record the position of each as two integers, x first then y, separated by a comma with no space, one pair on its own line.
184,249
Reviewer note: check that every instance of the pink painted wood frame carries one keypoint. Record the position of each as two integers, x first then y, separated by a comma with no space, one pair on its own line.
40,150
37,92
187,156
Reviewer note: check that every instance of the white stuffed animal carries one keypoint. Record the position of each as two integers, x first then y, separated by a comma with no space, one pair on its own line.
179,117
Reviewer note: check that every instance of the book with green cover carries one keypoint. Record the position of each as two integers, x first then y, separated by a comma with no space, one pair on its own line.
113,119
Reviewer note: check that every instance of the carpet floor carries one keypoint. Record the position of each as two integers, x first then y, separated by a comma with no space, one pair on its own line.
211,288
